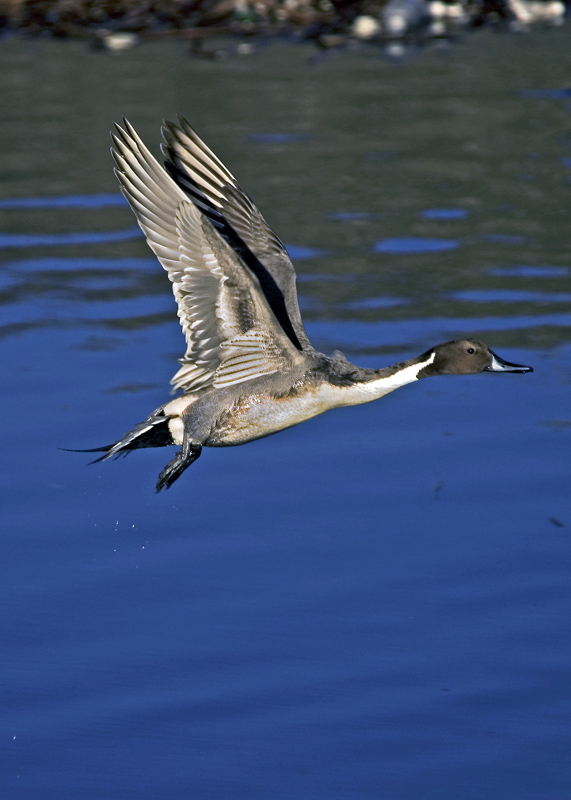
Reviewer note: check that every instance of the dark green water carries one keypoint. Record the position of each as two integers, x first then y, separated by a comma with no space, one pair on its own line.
374,604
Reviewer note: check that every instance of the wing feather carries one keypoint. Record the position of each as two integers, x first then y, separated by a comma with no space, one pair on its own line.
247,356
203,178
231,333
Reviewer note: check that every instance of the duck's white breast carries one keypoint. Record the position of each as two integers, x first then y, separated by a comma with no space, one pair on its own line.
262,414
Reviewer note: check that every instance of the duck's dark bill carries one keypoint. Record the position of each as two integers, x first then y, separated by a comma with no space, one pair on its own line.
499,365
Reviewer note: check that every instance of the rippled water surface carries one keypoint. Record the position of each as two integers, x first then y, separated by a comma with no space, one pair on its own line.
375,604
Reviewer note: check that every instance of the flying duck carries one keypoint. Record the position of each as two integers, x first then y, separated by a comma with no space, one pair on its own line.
249,369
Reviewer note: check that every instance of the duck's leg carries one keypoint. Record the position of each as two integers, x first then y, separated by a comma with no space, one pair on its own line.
188,453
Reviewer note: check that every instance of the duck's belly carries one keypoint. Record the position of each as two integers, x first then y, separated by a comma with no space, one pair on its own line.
261,415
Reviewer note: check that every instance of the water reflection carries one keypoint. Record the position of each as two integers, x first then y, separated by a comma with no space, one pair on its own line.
444,213
51,240
511,296
278,138
415,244
531,272
360,337
57,289
48,266
69,201
546,94
503,238
128,291
297,253
376,302
349,216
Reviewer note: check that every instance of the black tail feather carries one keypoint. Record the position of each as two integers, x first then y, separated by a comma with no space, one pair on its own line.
87,449
123,452
152,432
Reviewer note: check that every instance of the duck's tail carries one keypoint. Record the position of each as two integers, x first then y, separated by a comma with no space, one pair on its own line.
152,432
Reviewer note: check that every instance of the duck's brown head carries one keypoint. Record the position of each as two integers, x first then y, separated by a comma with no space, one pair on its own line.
465,357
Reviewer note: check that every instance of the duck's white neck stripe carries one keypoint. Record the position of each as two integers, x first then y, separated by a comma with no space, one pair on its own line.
406,375
378,387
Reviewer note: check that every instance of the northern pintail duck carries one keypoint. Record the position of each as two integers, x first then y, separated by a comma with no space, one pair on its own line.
249,369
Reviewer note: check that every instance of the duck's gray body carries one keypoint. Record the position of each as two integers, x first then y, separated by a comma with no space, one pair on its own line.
239,414
249,369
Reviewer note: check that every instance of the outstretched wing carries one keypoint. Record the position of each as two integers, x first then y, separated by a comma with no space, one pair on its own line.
203,177
231,333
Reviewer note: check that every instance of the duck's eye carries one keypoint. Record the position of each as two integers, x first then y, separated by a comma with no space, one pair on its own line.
470,350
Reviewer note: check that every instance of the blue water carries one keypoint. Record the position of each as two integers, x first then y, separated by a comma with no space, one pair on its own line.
504,238
532,272
512,296
50,240
298,253
415,244
445,213
376,302
71,201
547,94
278,138
364,601
350,216
374,605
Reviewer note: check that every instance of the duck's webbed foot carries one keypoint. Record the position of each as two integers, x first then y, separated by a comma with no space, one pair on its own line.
184,458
